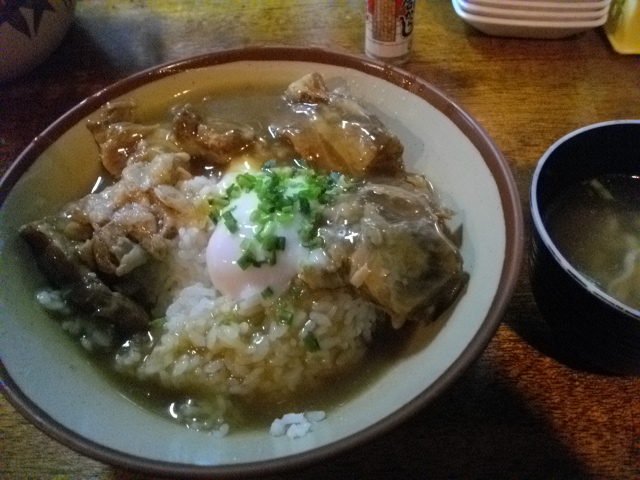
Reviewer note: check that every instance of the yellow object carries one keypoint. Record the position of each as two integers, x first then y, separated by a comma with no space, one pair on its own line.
623,26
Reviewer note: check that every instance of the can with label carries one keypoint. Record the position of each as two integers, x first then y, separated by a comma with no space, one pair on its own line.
389,29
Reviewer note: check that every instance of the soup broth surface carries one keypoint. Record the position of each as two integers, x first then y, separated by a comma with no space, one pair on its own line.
596,226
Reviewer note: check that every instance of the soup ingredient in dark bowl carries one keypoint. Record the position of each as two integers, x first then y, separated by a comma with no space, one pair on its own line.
596,226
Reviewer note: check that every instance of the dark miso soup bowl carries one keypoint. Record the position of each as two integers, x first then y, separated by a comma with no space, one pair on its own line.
598,332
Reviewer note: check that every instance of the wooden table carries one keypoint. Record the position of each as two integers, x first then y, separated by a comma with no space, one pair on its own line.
518,412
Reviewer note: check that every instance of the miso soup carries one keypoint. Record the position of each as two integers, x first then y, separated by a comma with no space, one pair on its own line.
596,226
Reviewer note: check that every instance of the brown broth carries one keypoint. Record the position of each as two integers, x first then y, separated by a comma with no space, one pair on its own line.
386,348
258,108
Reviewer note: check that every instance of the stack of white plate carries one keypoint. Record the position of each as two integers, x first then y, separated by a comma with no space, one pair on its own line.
533,18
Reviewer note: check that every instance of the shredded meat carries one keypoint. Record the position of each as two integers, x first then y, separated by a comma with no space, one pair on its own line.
90,248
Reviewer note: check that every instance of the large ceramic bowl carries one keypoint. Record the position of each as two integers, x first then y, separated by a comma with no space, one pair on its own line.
49,380
598,331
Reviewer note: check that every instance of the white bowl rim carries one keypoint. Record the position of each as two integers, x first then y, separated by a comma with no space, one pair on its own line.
519,4
559,25
544,234
514,248
534,15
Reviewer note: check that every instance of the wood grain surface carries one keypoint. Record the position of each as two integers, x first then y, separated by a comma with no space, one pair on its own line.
522,410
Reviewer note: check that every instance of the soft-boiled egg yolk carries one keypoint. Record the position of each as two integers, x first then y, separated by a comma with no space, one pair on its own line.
225,249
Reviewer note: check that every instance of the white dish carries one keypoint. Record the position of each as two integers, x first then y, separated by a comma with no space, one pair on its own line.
48,378
547,5
537,15
503,27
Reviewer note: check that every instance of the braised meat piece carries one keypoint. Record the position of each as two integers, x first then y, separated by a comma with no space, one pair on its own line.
389,240
208,139
59,259
132,220
90,248
309,89
332,132
122,141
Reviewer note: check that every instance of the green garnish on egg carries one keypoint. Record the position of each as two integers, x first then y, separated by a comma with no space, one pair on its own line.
286,195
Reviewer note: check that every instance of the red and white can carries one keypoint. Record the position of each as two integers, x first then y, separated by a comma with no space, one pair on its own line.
389,29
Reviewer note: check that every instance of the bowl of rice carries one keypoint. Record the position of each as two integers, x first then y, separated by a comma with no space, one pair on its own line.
271,290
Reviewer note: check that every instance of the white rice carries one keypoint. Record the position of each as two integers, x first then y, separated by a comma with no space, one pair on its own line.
224,349
295,425
52,300
253,357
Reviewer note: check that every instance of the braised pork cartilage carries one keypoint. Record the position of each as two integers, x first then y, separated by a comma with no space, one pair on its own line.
210,139
389,240
332,132
122,141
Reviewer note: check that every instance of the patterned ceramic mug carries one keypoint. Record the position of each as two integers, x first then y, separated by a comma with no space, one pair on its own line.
29,31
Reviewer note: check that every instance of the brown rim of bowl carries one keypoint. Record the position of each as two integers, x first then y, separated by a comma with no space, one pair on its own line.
480,139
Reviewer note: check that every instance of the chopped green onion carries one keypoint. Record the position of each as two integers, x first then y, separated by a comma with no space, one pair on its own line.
268,242
218,201
156,327
285,316
230,221
246,244
315,242
307,230
285,194
269,229
247,260
285,218
246,181
305,206
267,292
233,191
311,342
216,204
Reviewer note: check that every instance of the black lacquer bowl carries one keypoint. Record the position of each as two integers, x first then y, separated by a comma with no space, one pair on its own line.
600,332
